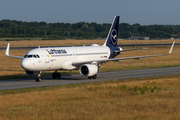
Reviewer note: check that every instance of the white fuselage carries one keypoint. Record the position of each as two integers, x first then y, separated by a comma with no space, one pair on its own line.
56,58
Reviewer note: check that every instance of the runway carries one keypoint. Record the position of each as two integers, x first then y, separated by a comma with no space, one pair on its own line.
77,78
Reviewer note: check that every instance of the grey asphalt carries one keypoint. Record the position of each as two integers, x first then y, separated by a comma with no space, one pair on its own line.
77,78
22,48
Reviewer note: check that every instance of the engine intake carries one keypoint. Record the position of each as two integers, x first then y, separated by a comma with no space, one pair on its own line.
88,70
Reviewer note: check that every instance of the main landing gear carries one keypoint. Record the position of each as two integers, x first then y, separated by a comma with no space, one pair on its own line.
38,79
93,77
56,75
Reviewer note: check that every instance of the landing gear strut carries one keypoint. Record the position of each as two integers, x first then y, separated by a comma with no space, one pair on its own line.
38,79
93,77
56,75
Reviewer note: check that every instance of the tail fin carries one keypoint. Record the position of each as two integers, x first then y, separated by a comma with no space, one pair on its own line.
112,37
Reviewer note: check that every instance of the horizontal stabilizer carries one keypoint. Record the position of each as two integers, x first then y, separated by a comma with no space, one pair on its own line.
132,49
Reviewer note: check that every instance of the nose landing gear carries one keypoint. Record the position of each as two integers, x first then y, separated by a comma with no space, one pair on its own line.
38,79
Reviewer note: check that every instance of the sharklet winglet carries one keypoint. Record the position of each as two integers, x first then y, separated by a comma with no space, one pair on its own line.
7,50
171,47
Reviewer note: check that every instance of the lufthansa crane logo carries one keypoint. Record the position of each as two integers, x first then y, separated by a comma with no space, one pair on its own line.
114,36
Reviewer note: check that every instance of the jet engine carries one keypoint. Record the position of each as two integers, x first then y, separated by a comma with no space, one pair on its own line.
32,73
88,70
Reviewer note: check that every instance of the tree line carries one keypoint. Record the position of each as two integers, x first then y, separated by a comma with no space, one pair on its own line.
82,30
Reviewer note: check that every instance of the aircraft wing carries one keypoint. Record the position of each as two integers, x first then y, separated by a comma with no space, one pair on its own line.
78,63
7,52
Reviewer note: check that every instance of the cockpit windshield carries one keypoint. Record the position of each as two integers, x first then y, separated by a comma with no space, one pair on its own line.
32,56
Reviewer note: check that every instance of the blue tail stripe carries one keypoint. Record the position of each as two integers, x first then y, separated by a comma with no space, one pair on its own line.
112,37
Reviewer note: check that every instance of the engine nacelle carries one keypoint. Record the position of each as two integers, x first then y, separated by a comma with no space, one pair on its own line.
31,73
88,70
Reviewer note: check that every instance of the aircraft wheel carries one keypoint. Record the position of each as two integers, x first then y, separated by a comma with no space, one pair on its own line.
58,75
95,76
38,79
89,77
54,76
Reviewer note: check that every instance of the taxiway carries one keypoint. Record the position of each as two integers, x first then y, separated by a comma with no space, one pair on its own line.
77,78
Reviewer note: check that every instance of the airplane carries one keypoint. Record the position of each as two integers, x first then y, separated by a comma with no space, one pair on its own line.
88,59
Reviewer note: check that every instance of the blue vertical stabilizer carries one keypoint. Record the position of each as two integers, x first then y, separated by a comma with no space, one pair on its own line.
111,40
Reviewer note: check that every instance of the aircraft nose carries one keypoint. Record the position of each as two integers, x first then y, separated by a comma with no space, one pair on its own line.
25,64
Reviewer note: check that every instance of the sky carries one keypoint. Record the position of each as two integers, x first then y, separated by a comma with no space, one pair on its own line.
144,12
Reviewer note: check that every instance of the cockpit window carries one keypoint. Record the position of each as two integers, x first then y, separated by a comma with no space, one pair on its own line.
31,56
25,56
35,56
38,56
